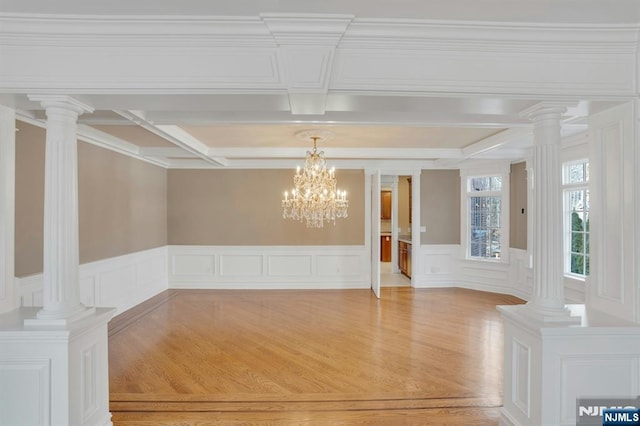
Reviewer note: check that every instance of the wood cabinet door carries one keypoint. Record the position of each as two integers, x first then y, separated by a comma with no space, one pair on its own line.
385,206
385,249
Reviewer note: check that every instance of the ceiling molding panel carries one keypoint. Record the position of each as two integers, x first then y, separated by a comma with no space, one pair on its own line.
485,72
137,69
307,68
159,54
131,31
403,33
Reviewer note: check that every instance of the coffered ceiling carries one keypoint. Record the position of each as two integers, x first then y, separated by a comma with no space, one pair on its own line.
230,84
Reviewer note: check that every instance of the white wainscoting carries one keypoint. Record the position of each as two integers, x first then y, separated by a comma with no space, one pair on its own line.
54,375
121,282
486,276
269,267
547,367
438,266
442,266
520,273
30,381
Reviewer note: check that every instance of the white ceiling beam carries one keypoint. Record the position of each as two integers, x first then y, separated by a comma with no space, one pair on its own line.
173,134
166,152
96,137
496,141
482,148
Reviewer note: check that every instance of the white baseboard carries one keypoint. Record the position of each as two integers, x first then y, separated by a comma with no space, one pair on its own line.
506,419
269,267
121,282
125,281
493,289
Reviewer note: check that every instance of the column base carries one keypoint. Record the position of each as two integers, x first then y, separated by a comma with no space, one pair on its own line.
543,315
47,318
56,375
549,366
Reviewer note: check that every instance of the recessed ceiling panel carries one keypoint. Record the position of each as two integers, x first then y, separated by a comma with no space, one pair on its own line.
263,136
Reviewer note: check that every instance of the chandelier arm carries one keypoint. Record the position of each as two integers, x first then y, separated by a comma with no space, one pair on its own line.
315,197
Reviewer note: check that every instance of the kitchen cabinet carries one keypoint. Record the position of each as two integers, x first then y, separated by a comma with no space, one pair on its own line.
385,248
404,258
385,208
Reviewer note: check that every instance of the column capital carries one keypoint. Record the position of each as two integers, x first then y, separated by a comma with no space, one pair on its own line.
544,109
62,101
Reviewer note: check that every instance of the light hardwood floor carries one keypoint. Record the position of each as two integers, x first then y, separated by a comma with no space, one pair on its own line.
431,356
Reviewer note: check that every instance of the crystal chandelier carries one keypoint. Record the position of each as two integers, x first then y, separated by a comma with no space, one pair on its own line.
315,197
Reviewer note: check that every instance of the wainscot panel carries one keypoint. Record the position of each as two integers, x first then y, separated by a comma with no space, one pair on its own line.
121,282
597,358
28,400
271,267
439,265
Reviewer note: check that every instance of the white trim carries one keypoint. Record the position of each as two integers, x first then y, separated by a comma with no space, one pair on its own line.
7,208
416,225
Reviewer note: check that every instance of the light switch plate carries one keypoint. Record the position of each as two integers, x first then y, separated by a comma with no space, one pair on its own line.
423,229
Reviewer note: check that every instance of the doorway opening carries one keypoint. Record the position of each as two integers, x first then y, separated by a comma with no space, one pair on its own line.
395,231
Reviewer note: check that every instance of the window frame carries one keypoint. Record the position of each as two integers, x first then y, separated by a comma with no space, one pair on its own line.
567,231
502,171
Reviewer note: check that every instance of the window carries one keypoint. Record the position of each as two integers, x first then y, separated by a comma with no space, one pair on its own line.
576,218
484,196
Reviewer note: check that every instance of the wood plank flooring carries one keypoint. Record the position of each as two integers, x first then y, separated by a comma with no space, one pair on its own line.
427,356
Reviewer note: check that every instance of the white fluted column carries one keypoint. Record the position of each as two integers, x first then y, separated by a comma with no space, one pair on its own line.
61,260
546,188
